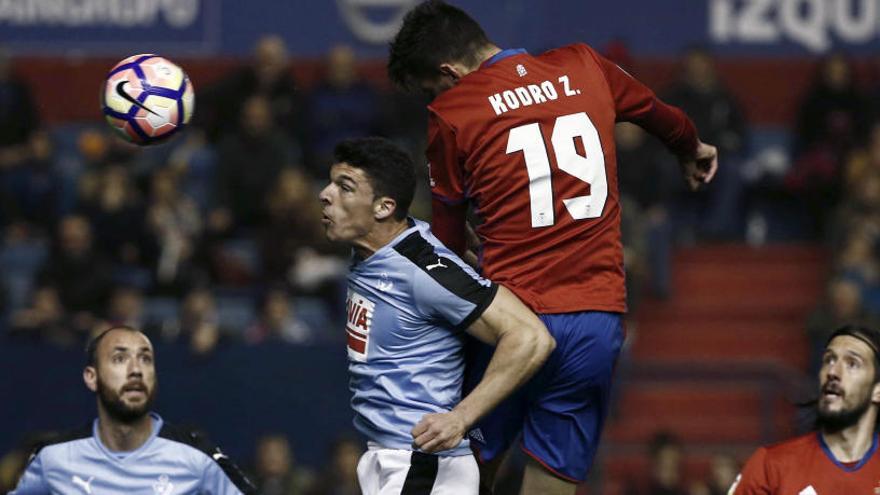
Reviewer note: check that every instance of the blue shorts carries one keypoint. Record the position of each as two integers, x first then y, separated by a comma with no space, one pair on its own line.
561,410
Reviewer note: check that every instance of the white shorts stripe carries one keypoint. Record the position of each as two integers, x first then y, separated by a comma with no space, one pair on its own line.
384,472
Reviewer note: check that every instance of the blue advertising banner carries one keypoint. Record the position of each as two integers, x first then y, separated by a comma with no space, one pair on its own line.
311,27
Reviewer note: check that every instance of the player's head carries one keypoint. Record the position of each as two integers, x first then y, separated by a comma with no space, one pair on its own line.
849,379
121,371
372,181
436,45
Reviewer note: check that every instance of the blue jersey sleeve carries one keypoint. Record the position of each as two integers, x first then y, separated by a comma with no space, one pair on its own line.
32,481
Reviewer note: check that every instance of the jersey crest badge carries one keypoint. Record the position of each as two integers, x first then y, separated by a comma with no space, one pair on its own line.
163,486
521,70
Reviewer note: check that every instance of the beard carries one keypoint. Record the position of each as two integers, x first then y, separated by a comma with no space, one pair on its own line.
833,422
118,409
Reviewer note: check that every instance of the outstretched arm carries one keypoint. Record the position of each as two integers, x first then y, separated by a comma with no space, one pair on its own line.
522,344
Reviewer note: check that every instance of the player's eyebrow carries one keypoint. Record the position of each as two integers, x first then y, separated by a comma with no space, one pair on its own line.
346,178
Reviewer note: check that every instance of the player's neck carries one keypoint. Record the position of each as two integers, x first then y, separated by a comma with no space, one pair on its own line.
379,237
486,53
852,443
123,437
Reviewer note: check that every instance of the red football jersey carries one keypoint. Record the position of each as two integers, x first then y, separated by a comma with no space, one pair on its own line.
805,466
529,141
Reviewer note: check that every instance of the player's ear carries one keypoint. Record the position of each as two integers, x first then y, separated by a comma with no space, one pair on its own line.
875,393
90,377
452,71
383,208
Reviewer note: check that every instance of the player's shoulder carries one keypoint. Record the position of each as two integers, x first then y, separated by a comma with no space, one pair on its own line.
188,436
420,248
793,448
206,452
52,441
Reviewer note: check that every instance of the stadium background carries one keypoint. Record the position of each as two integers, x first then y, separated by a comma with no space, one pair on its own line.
731,289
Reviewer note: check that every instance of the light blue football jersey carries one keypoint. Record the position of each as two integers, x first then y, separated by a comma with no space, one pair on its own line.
171,461
408,306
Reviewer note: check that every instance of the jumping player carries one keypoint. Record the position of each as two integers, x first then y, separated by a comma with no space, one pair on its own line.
527,143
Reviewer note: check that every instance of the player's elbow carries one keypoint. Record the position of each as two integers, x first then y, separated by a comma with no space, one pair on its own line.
541,344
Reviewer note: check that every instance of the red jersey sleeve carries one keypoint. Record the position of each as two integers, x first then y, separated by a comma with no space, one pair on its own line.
448,205
754,479
636,103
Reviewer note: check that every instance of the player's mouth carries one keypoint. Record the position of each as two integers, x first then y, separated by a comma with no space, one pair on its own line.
136,388
831,391
326,219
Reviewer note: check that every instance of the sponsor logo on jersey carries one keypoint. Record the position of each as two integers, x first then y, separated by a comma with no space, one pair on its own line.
85,485
359,320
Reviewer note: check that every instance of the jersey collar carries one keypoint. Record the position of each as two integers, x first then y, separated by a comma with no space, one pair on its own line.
122,457
502,55
862,462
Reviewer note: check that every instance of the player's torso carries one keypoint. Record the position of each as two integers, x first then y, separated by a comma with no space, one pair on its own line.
402,364
808,469
536,134
82,468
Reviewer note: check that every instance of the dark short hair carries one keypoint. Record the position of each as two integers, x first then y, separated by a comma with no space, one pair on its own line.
387,166
869,336
94,342
433,33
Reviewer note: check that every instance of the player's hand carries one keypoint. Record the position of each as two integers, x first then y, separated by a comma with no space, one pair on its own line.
438,432
700,168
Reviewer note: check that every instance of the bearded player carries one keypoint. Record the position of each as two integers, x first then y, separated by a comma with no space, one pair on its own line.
128,448
841,456
528,143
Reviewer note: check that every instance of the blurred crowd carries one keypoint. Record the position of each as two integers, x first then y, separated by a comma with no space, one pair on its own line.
215,238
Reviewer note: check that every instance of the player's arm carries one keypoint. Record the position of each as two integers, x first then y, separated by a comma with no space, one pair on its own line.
754,478
448,202
32,482
522,344
634,102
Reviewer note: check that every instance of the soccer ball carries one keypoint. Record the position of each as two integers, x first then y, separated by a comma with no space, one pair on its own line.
147,99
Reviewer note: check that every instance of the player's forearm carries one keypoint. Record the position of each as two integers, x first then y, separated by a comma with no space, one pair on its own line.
518,356
670,125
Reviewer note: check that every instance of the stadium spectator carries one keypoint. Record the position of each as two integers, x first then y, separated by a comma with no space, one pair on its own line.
665,476
276,469
268,76
45,320
28,186
831,121
340,476
291,211
126,307
198,325
19,116
78,272
341,106
174,220
722,474
645,215
840,456
842,304
716,211
250,161
116,212
278,322
120,371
